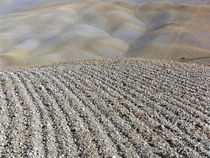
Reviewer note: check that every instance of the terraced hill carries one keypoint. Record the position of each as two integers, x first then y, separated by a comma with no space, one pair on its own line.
109,108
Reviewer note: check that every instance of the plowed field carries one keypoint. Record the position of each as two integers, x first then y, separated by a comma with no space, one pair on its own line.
106,108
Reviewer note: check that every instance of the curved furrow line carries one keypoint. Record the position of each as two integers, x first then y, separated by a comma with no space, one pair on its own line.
59,123
15,132
178,68
105,108
69,135
128,105
4,119
49,90
36,119
162,98
93,124
110,111
86,97
124,111
179,71
142,92
109,126
181,84
142,79
28,109
161,68
190,84
192,135
79,110
145,101
185,124
48,135
160,75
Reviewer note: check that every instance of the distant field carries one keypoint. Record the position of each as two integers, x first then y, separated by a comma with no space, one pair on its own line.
58,32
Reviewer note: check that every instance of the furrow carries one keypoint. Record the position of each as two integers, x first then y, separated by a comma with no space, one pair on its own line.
153,84
125,94
58,119
105,108
152,96
177,75
15,132
31,116
120,106
165,78
171,72
130,113
177,114
116,120
194,135
37,147
94,127
163,97
108,124
48,135
176,68
86,148
186,86
195,72
4,119
142,79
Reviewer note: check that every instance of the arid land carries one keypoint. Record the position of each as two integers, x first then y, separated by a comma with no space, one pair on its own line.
106,108
105,78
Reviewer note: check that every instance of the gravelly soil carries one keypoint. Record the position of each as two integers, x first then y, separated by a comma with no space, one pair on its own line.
106,108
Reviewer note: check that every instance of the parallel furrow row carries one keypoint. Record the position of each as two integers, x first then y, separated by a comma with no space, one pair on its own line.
113,131
167,99
141,84
32,139
5,119
123,110
59,124
93,125
15,130
110,85
105,108
143,78
177,74
53,92
48,133
165,77
36,121
181,83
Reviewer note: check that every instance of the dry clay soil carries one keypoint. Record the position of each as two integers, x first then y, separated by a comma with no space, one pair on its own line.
106,108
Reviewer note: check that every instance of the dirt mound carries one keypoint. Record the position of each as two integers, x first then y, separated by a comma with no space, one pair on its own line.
118,107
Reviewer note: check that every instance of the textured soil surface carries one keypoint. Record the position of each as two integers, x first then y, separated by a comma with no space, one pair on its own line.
106,108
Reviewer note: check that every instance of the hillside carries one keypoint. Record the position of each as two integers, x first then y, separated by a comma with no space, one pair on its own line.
110,107
60,32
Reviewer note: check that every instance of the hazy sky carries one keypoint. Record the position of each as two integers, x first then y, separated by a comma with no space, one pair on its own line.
8,6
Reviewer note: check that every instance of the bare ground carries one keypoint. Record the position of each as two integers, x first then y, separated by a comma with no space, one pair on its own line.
106,108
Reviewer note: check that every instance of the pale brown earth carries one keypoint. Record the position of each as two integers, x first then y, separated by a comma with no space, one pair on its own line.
58,32
114,107
106,108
